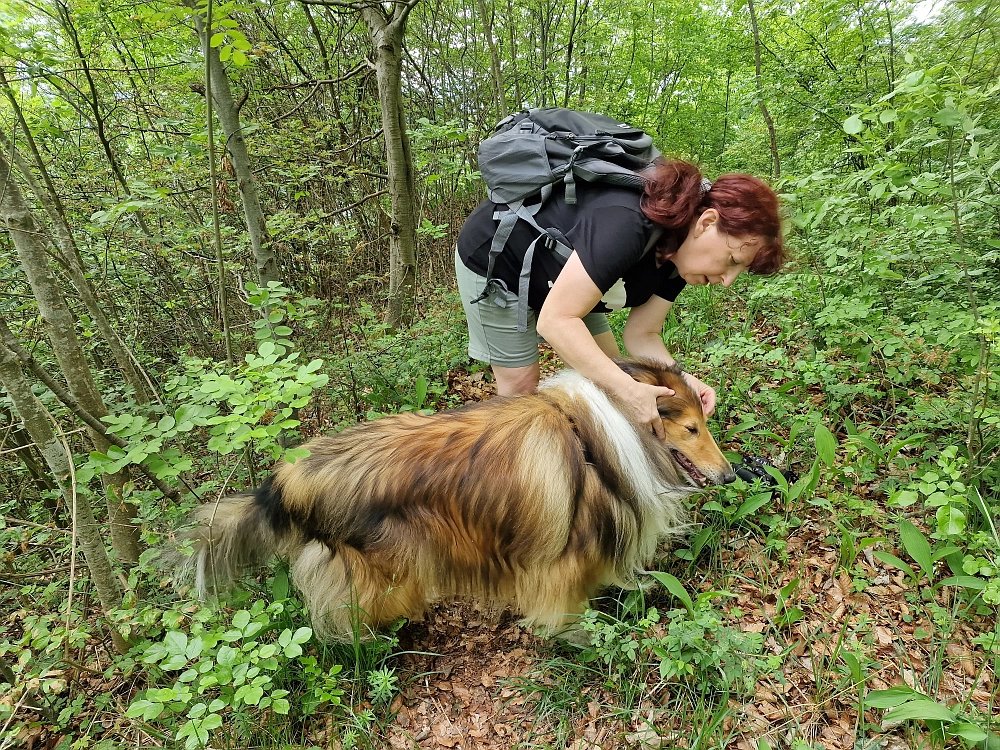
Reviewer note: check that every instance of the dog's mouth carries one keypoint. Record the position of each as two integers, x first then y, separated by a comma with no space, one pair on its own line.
697,478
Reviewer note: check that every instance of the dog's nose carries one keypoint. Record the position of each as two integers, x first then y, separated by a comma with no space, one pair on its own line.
729,477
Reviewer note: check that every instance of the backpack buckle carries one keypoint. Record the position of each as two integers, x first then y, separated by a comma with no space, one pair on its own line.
493,291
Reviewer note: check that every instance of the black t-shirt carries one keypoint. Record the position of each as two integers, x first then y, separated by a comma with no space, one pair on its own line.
605,227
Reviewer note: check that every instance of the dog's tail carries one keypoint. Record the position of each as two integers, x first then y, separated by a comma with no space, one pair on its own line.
232,535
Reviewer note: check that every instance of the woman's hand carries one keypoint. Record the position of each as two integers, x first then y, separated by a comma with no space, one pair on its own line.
706,393
642,398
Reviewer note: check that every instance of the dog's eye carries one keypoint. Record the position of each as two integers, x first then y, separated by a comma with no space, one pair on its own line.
692,430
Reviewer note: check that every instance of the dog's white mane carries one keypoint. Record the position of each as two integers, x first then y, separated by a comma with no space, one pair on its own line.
658,501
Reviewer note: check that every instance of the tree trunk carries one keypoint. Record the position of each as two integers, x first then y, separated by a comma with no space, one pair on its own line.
578,14
776,163
499,89
59,324
229,116
37,423
70,260
512,53
387,42
725,121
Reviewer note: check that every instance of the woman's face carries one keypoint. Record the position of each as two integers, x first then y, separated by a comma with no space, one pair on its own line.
710,256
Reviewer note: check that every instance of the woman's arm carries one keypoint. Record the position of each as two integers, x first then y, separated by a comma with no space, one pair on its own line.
643,333
560,322
643,337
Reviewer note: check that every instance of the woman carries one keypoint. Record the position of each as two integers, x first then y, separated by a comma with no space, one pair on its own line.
710,234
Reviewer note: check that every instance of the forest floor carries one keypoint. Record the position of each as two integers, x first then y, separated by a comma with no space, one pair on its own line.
475,680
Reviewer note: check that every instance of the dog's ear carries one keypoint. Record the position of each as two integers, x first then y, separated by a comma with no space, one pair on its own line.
638,370
649,371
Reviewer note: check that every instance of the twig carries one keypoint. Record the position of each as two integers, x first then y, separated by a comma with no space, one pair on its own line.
29,445
74,406
358,203
22,522
38,573
72,543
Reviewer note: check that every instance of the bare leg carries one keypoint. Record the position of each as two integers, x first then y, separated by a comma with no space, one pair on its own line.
515,381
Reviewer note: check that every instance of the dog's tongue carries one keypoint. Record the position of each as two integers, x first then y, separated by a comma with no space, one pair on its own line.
699,478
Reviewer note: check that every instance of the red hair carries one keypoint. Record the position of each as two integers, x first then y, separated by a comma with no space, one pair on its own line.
746,205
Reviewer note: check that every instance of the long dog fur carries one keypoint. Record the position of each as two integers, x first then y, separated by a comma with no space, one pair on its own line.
535,501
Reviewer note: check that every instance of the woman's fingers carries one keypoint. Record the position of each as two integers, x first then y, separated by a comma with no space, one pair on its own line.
642,398
708,400
706,393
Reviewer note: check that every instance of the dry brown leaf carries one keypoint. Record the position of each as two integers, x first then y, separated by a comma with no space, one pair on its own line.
964,657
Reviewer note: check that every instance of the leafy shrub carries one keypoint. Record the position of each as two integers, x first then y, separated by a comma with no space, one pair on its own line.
222,666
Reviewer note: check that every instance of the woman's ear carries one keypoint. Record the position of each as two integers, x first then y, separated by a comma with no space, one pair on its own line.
708,219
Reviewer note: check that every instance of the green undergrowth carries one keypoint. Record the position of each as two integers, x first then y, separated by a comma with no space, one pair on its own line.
867,371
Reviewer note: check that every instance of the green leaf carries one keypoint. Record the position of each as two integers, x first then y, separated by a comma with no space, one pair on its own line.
785,593
892,697
922,709
212,721
966,582
917,546
750,505
895,562
280,586
253,695
826,444
241,619
886,116
239,58
950,520
420,390
675,587
175,641
734,431
226,656
949,117
854,664
148,710
294,454
904,499
853,125
968,732
152,711
217,39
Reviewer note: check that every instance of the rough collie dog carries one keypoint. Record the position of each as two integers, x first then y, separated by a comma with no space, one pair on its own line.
531,501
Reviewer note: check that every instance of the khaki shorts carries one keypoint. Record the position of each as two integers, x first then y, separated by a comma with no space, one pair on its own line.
493,334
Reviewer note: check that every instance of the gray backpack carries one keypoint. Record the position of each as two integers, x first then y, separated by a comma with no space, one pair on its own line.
529,153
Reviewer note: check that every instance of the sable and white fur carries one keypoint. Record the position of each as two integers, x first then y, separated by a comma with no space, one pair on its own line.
533,501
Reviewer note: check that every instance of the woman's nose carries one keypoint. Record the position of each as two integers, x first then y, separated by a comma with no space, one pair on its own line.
729,277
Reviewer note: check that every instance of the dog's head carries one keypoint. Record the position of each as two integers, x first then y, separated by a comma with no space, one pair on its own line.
689,443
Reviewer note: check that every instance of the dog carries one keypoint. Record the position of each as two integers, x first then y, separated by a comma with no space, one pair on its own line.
533,501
